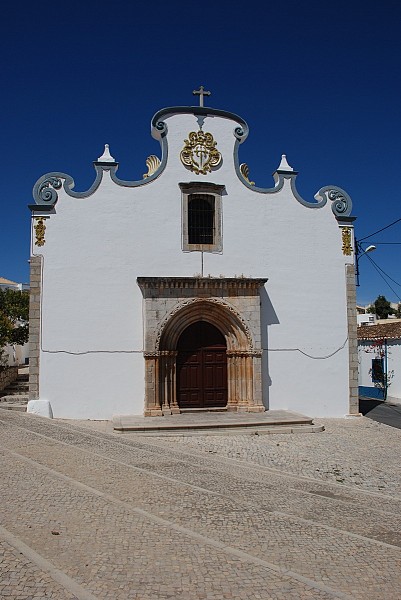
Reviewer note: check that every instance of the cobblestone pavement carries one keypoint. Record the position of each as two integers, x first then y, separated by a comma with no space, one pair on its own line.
90,515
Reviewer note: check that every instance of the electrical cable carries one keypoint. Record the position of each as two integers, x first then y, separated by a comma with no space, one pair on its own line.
382,229
92,352
141,351
384,272
378,270
305,353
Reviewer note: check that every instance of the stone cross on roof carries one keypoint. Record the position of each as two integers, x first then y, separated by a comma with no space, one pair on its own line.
201,92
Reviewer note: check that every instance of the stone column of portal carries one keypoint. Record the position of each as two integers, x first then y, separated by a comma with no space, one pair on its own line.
175,409
232,400
164,382
152,402
242,386
244,376
254,381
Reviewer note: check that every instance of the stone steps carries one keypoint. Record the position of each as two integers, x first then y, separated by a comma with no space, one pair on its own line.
16,395
13,406
19,387
15,390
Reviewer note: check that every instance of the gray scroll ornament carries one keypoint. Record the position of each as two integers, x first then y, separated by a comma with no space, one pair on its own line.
45,191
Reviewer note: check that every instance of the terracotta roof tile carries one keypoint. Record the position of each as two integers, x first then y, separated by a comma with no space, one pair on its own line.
382,330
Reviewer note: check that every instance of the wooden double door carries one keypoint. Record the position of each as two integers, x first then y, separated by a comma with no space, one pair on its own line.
201,367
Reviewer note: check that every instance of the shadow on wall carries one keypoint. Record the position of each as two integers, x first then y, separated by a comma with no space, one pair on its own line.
268,317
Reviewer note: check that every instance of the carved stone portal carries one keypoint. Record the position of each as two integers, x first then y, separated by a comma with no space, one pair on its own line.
230,304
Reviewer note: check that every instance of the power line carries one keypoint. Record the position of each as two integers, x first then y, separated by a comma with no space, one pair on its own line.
379,271
382,229
384,272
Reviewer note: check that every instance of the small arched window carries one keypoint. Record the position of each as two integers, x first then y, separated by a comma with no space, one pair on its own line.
201,219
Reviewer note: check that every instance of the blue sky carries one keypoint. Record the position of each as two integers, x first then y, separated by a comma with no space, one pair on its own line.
319,81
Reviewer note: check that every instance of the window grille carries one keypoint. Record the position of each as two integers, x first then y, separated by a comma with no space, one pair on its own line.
202,216
377,370
201,219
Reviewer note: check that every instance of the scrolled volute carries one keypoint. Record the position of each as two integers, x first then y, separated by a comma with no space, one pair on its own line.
161,126
341,202
239,132
46,192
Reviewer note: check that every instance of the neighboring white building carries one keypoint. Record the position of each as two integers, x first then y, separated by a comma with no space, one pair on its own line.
365,319
16,354
13,285
202,267
379,356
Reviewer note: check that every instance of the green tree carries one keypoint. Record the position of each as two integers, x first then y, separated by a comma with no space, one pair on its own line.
381,307
14,315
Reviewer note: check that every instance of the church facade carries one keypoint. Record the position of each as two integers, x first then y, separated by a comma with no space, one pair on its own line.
193,288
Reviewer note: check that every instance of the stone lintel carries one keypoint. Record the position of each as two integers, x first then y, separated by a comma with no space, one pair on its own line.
201,283
202,186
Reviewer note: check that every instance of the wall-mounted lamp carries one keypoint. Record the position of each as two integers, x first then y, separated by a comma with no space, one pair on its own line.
359,252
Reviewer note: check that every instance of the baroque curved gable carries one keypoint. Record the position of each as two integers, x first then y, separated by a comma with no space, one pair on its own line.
46,189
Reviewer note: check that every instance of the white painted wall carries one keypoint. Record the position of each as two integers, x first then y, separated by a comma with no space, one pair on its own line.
91,363
16,354
365,355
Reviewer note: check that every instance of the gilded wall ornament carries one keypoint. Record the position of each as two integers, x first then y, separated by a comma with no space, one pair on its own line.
40,229
347,243
200,153
153,163
245,173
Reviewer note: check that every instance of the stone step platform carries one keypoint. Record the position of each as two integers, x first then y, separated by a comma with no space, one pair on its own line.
216,423
19,405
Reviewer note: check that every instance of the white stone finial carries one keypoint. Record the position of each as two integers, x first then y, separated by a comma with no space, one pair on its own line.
106,156
284,166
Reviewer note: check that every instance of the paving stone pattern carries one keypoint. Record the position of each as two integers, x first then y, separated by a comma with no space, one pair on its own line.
20,579
87,514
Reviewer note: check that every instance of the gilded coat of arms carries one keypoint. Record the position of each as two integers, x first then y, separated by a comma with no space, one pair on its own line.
200,153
